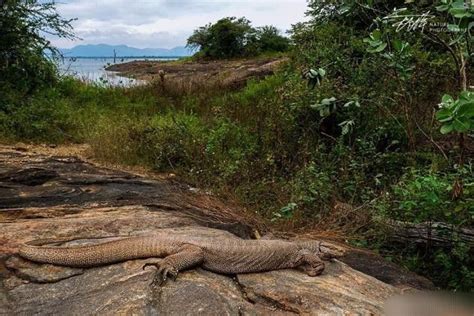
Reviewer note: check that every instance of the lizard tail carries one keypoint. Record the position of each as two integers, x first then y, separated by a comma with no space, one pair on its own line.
98,254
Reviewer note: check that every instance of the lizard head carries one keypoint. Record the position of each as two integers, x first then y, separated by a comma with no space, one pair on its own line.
313,252
323,249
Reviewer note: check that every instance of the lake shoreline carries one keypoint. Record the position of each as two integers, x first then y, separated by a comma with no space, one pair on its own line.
125,57
93,69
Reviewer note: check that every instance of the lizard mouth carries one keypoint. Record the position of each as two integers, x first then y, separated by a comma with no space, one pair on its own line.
328,251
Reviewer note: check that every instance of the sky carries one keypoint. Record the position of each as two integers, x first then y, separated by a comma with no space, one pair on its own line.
166,23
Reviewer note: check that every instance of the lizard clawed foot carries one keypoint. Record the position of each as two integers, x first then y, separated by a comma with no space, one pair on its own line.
164,271
315,269
311,263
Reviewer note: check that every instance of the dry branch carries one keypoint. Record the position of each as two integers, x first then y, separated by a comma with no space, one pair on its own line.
435,233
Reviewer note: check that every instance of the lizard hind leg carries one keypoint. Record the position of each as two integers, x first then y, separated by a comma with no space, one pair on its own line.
186,257
163,272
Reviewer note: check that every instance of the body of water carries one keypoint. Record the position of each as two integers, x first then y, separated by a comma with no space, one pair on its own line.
93,69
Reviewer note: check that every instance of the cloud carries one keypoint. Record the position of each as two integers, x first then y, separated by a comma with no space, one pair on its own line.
166,23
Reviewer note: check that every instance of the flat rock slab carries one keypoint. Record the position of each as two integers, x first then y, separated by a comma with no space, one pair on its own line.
225,73
73,202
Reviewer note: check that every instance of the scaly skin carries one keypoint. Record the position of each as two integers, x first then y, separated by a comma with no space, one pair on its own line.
223,255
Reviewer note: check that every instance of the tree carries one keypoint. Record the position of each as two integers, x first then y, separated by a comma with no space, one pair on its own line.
23,61
270,40
399,28
224,39
357,13
457,16
231,37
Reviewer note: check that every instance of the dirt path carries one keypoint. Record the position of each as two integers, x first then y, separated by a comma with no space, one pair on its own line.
51,193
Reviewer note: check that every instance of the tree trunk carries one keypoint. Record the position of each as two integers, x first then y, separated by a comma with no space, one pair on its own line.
436,234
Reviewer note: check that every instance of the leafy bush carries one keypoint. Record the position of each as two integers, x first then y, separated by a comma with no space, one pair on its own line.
231,37
171,141
43,117
230,149
268,39
427,198
313,190
23,63
457,115
423,196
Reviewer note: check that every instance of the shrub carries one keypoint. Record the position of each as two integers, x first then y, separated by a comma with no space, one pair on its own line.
173,141
423,196
313,190
231,37
230,149
427,197
44,117
164,142
23,63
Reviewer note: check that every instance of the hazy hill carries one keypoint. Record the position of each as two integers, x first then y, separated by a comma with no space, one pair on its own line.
104,50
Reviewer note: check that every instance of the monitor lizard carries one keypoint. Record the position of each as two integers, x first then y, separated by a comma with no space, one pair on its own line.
220,255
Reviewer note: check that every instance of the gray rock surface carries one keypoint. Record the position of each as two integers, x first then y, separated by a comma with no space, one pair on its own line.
73,202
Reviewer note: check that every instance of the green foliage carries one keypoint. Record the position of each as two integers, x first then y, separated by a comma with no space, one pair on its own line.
358,14
287,212
226,38
391,72
426,197
231,37
41,118
454,267
459,10
325,107
376,45
454,115
230,148
457,115
268,39
313,189
23,64
69,111
423,197
170,141
314,77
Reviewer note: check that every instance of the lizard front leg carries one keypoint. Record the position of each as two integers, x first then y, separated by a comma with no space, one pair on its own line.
186,257
311,263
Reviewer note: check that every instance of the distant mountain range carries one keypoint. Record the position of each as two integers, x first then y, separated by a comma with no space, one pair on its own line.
104,50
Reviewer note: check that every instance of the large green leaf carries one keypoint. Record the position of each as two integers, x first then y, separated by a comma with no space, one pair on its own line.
460,13
446,129
377,49
444,114
376,35
447,99
461,126
467,96
466,110
443,7
328,101
398,45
